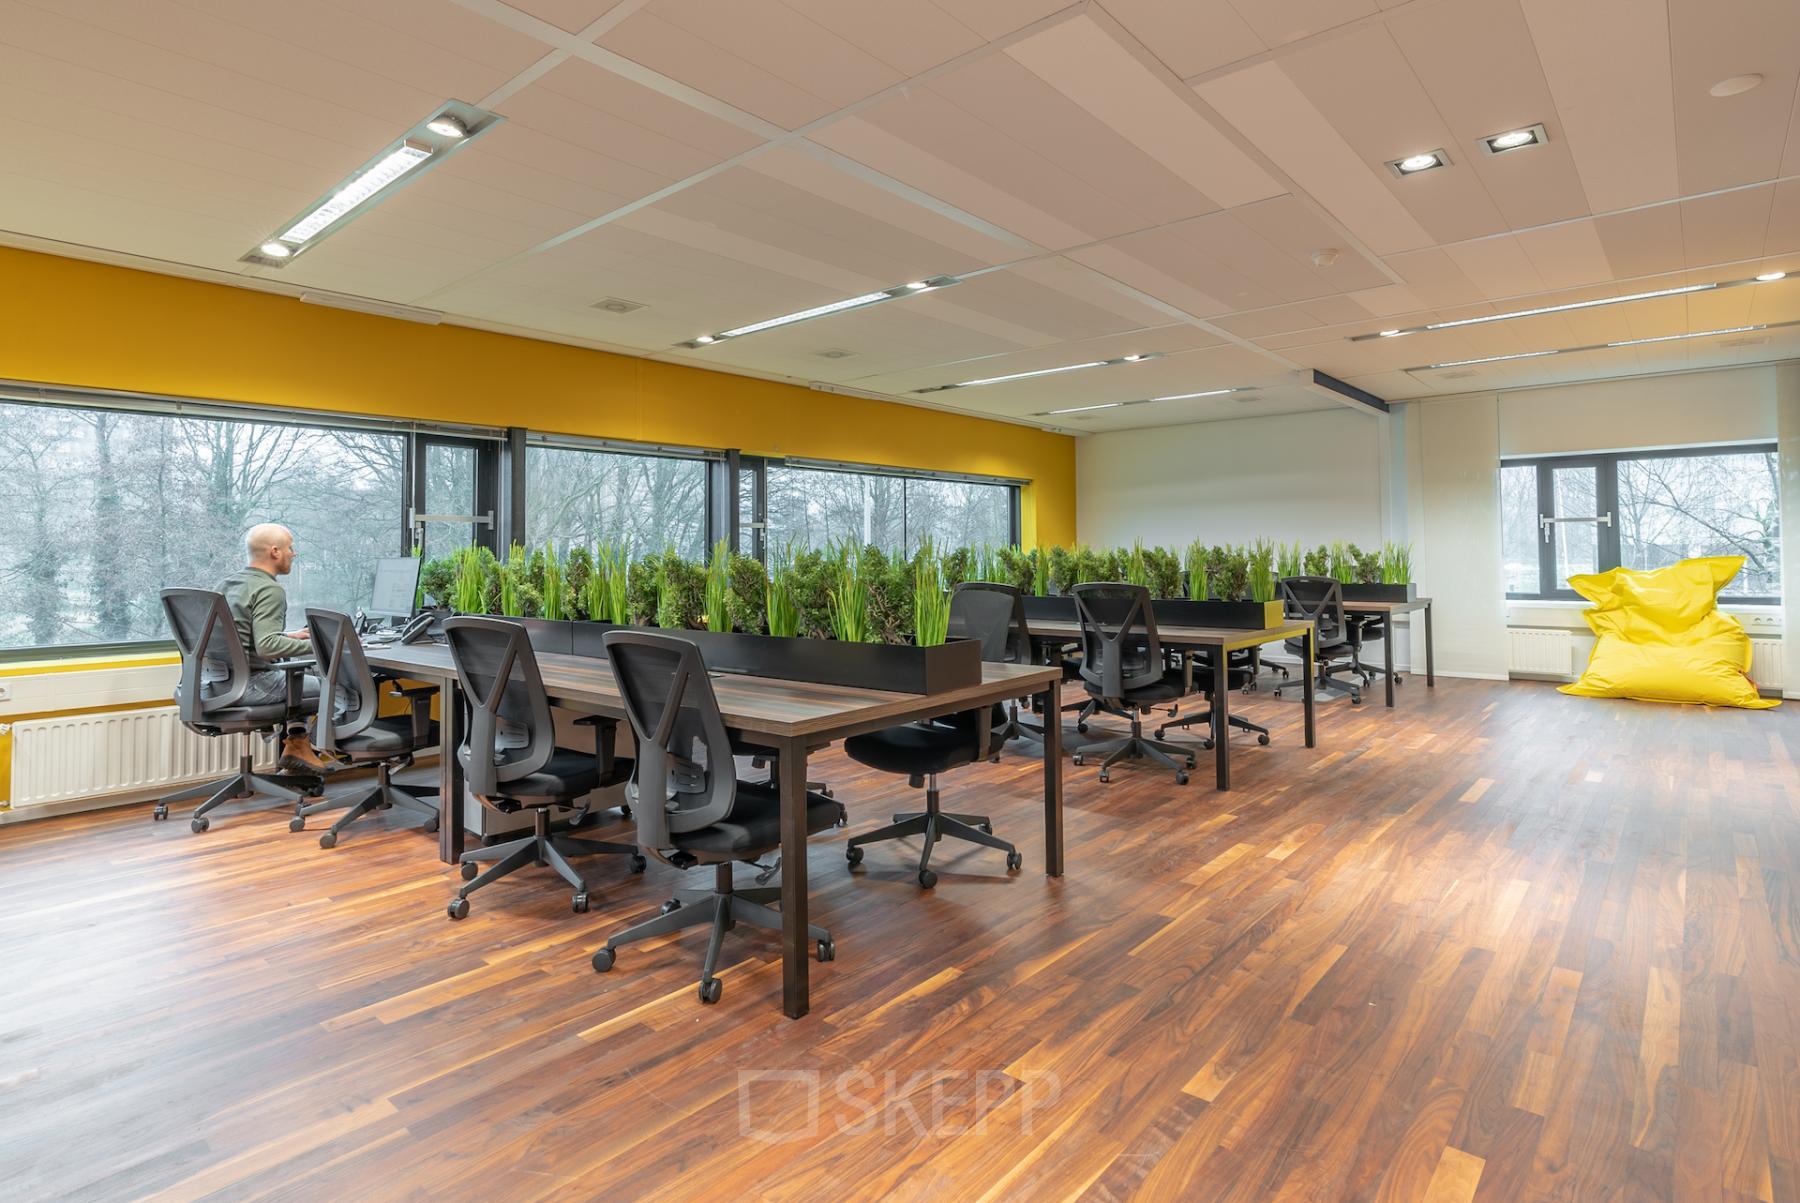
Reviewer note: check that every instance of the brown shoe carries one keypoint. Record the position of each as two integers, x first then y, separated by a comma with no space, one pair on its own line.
298,756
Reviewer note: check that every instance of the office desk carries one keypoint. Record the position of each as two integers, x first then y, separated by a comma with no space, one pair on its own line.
788,716
1388,610
1219,642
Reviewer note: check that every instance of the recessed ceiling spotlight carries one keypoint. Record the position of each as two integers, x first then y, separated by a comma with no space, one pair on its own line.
1737,85
1515,139
447,126
276,250
1325,256
1771,277
1414,164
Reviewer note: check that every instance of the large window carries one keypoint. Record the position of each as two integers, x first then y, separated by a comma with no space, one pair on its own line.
811,507
1565,516
105,508
577,496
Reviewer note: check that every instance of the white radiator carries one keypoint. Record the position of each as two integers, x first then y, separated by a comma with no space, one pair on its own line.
85,755
1766,666
1540,652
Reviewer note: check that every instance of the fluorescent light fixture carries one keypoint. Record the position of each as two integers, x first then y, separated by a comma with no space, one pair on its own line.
1515,139
1082,409
1543,309
1463,363
1414,164
1771,277
448,125
1067,367
1211,392
848,303
385,171
275,250
1669,338
1392,333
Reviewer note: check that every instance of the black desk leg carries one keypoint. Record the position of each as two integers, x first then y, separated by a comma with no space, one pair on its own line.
450,774
1387,657
1430,660
791,768
1221,708
1307,671
1053,780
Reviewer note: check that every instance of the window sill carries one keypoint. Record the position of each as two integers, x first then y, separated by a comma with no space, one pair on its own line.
1762,621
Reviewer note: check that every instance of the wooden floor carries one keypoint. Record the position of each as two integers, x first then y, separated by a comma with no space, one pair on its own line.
1497,944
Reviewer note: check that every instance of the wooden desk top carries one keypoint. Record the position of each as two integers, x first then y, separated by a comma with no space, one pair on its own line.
1229,638
752,705
1386,607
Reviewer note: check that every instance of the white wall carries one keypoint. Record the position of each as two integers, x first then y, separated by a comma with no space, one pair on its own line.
1315,477
1787,424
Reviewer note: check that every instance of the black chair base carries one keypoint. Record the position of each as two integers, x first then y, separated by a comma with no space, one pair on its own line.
722,909
1205,717
1137,746
385,796
245,783
1329,683
538,848
934,824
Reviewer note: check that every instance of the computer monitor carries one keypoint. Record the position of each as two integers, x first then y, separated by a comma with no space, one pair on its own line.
396,587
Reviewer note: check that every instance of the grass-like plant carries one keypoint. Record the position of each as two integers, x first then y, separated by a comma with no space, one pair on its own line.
1261,557
555,600
468,583
1396,563
608,586
1040,572
718,587
1136,570
1193,566
931,601
512,603
1292,559
1343,561
848,595
783,610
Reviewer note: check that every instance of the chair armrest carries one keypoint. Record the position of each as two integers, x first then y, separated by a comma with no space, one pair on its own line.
413,691
296,665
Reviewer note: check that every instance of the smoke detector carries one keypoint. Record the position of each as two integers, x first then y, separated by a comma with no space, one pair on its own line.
1325,256
617,305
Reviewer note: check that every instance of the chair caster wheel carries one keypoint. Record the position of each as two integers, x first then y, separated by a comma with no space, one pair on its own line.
671,906
470,871
1162,733
603,960
1277,693
1105,776
160,813
624,810
1181,777
638,864
843,819
1081,727
1078,758
1356,699
987,827
827,950
297,823
710,989
200,824
927,878
1191,761
854,855
1206,745
579,903
431,825
1014,862
1263,740
458,908
328,840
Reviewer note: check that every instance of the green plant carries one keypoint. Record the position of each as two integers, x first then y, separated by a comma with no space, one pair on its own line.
1060,565
1163,567
468,588
1343,561
849,595
1193,564
959,566
1040,572
1229,572
1261,560
1109,565
749,590
783,612
554,596
578,571
643,589
535,565
1368,565
1135,570
890,584
609,588
1396,563
1318,561
717,596
1292,559
810,576
1018,568
681,592
437,581
931,601
1089,566
511,603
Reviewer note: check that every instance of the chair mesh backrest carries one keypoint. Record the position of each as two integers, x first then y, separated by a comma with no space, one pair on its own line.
1119,647
342,665
500,680
994,614
215,668
1315,599
685,777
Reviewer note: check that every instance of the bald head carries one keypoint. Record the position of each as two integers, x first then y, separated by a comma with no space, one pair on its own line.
270,547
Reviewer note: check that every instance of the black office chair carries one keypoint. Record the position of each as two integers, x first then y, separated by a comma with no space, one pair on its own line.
920,751
1241,669
215,671
1366,629
499,675
1320,601
362,735
690,807
1123,668
995,614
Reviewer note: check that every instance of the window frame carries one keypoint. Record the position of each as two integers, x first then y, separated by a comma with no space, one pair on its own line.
1606,496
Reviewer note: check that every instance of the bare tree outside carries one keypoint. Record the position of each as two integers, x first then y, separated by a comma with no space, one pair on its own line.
811,507
108,508
577,497
1681,506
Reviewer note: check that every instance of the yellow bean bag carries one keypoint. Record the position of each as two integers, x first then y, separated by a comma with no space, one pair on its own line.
1660,636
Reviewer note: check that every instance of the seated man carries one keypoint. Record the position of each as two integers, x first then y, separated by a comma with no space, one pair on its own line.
259,607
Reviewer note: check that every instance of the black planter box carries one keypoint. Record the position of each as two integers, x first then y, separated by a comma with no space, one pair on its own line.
1173,612
1408,592
549,635
898,668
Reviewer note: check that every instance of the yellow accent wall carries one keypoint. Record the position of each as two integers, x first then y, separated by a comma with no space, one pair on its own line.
70,322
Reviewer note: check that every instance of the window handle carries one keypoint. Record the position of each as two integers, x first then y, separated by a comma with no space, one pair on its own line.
1545,523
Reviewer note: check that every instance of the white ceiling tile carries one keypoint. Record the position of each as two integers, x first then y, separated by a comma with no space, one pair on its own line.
1725,142
1567,255
1726,227
572,16
1189,36
1498,266
908,35
1280,21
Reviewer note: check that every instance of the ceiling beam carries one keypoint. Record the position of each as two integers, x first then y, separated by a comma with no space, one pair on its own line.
1344,393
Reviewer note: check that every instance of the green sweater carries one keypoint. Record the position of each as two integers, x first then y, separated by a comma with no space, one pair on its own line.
259,607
